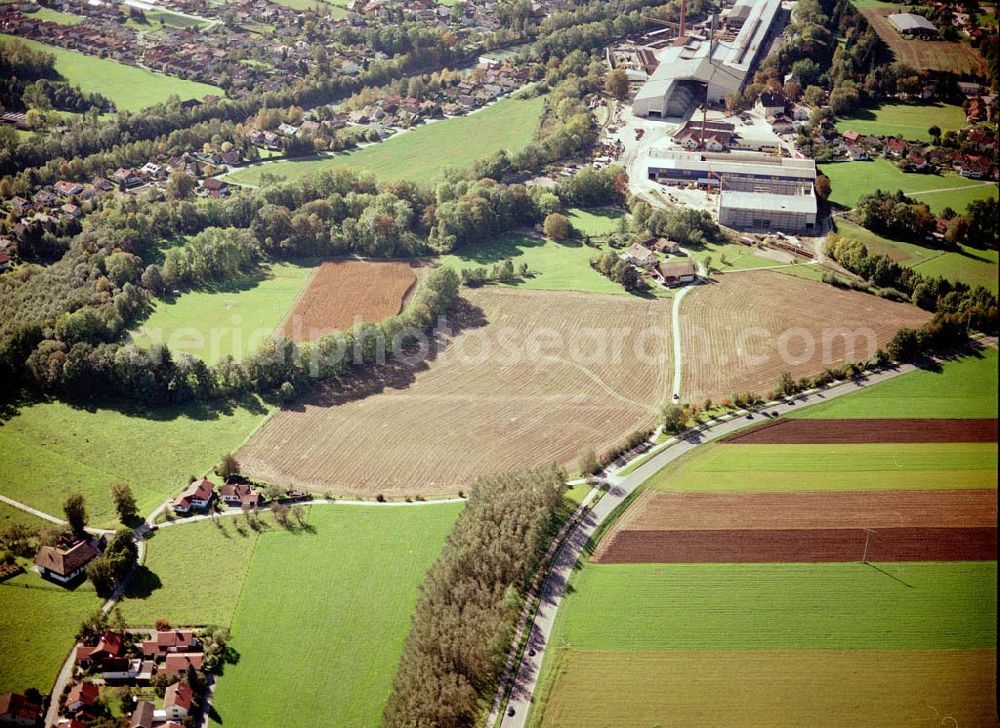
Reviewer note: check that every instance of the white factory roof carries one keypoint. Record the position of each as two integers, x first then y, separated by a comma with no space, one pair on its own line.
756,164
769,202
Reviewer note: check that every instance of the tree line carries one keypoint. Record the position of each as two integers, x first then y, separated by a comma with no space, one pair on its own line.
469,602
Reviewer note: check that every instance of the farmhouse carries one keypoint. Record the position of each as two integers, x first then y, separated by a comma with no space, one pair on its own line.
639,255
196,496
64,564
675,274
762,212
170,641
663,245
16,709
110,646
239,495
699,69
913,25
771,103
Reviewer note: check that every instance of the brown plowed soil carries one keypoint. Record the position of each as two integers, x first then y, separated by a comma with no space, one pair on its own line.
801,545
344,292
823,432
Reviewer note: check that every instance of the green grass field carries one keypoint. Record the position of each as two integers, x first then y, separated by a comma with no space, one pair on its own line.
49,450
193,591
851,180
233,319
323,616
552,266
332,9
718,467
908,121
130,88
156,19
598,221
944,605
10,515
423,155
968,265
965,387
55,16
37,629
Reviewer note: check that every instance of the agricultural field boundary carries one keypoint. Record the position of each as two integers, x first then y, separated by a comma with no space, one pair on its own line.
558,575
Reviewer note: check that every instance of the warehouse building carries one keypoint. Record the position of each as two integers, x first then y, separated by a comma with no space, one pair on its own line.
697,69
765,212
913,25
748,171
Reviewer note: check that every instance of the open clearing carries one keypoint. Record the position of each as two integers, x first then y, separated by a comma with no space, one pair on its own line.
129,87
830,431
193,573
37,628
598,221
552,266
964,387
832,467
533,377
324,614
944,605
345,292
10,515
850,181
908,121
974,266
932,55
234,319
51,449
55,16
772,689
740,331
423,154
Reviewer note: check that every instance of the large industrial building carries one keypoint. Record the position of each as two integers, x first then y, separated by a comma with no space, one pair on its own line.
698,68
759,192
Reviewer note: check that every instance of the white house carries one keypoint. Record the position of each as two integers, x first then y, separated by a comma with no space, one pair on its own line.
196,496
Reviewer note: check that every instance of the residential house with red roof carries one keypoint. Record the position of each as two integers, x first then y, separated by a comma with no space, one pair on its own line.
177,701
170,641
16,709
81,695
111,645
239,495
196,496
65,563
179,662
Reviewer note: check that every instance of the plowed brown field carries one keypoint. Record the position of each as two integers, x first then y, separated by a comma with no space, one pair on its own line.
741,331
539,375
344,292
933,55
831,432
663,527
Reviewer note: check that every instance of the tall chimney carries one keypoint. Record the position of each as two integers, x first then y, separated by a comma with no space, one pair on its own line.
680,30
711,36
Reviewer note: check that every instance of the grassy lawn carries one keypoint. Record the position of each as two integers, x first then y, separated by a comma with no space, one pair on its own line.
234,318
156,19
968,265
10,515
193,591
324,614
718,467
55,16
423,155
553,266
909,121
852,180
945,605
130,88
599,221
738,257
51,449
37,629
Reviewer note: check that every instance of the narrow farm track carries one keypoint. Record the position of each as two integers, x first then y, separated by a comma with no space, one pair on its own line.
513,702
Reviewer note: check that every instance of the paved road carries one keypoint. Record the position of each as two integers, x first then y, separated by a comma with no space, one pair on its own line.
556,581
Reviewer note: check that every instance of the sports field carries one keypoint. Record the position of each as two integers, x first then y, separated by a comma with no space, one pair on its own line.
851,180
552,266
236,318
907,121
423,154
51,449
37,628
963,387
324,613
194,572
968,265
129,87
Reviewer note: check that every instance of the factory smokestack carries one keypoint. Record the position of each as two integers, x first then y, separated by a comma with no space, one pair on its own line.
680,30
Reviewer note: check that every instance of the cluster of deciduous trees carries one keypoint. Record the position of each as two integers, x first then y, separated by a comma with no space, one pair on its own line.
610,265
682,224
503,271
467,611
896,215
975,306
979,227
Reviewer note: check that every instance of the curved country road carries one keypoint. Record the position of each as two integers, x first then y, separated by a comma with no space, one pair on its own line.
554,586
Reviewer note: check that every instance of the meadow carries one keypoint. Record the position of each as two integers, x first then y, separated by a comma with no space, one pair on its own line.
193,591
324,614
963,387
907,121
10,515
49,450
55,16
37,629
851,180
129,87
968,265
598,221
917,605
423,154
718,467
229,319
